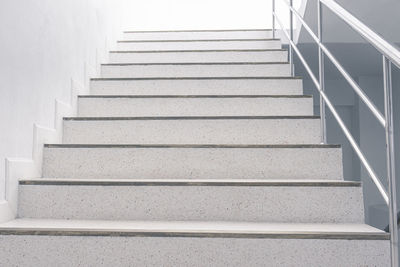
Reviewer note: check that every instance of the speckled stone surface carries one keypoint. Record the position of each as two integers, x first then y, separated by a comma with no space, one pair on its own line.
198,35
194,106
177,251
352,231
231,86
233,218
200,56
193,45
193,131
315,204
197,70
193,163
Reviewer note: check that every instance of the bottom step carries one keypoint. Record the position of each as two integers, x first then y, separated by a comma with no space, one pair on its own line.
28,242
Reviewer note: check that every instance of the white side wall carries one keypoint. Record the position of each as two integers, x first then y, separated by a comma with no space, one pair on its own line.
44,45
205,14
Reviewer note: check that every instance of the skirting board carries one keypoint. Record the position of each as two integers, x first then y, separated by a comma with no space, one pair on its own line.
25,168
19,168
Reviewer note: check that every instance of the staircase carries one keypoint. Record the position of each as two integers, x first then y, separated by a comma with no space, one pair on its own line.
195,148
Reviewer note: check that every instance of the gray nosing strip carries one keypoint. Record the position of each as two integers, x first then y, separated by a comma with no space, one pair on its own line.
61,182
230,30
197,63
197,234
192,118
204,40
186,146
199,51
195,96
199,78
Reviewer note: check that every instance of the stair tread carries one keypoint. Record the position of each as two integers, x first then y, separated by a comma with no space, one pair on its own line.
188,146
199,50
209,30
195,96
190,182
188,228
198,63
202,78
199,40
191,118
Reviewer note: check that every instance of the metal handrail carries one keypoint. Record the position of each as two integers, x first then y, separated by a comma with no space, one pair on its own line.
346,131
390,56
375,111
373,38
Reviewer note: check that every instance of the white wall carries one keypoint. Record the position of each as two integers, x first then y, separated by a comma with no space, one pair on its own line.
43,45
194,14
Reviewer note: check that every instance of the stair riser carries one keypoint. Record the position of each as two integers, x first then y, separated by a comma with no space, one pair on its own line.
152,71
130,107
196,35
198,87
187,251
201,45
254,56
232,131
295,204
193,163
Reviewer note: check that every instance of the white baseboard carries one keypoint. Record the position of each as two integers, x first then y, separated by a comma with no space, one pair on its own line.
25,168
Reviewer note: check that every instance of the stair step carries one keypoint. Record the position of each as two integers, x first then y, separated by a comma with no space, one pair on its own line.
187,200
193,161
214,69
198,86
193,130
192,56
194,105
124,243
198,34
209,44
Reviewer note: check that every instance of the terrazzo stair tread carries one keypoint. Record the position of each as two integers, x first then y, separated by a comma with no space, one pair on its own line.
203,44
209,69
194,105
165,161
197,34
190,182
198,56
197,86
348,231
192,130
194,148
28,242
171,200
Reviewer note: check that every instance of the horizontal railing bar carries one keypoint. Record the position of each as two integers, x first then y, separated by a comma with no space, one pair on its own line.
315,80
342,125
377,41
367,101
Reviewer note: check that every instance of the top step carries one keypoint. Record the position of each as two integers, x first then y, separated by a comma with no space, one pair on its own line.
198,34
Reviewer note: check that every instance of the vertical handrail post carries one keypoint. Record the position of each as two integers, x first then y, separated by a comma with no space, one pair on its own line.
291,38
390,161
273,19
321,70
